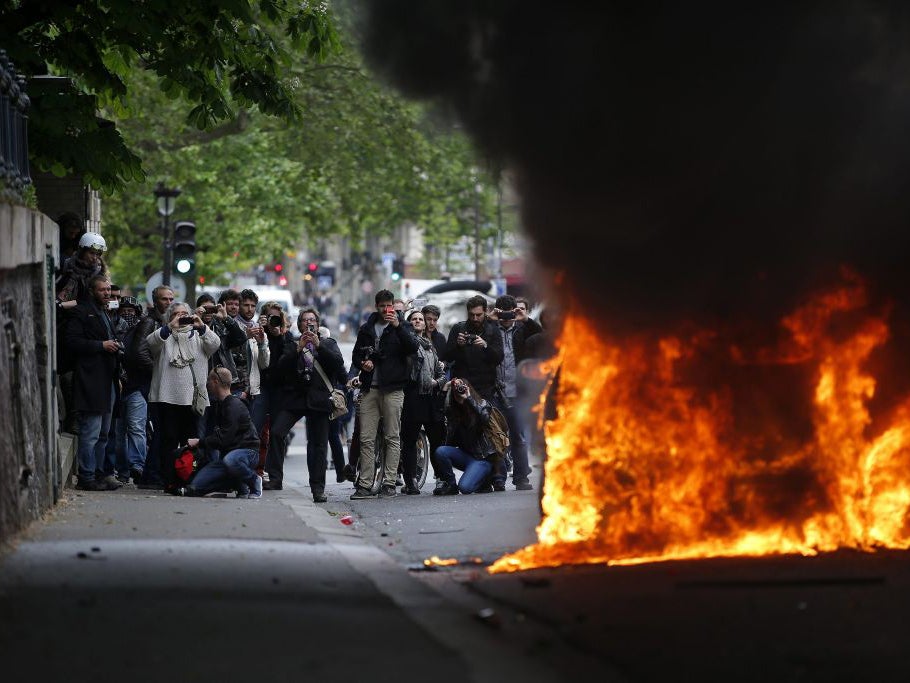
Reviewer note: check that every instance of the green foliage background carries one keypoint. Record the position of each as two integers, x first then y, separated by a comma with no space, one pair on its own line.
261,111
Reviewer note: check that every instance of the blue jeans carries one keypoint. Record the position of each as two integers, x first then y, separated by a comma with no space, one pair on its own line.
236,468
262,406
476,472
132,430
93,432
518,440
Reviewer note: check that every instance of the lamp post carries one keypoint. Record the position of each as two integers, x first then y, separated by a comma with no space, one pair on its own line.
166,200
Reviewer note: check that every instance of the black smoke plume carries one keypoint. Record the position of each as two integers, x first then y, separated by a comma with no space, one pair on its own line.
681,161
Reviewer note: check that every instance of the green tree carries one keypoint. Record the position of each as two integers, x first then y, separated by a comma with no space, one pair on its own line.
216,55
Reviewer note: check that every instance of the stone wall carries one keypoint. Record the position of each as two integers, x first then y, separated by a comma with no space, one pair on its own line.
30,475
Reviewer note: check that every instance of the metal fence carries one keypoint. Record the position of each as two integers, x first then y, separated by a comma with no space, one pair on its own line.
14,105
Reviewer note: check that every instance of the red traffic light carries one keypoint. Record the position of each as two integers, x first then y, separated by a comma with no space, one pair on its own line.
313,266
201,280
283,281
278,267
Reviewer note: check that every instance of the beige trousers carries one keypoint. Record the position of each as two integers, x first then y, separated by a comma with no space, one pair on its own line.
373,405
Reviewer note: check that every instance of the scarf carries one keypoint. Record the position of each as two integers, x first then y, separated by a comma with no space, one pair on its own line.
427,365
243,322
179,353
73,280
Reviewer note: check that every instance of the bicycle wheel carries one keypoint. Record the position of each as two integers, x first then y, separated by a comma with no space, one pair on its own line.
423,458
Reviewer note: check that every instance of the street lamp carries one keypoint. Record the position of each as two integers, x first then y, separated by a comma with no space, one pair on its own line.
166,200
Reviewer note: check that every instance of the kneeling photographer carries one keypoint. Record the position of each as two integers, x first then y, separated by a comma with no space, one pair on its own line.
235,438
475,442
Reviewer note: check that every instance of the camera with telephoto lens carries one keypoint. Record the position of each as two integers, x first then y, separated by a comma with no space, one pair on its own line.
275,321
469,339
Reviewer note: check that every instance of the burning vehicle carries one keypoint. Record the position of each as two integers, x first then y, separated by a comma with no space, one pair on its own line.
722,195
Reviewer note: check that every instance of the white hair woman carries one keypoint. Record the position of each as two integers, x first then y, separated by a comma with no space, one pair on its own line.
181,350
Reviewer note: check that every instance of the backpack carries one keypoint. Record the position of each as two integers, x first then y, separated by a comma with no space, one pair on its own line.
497,431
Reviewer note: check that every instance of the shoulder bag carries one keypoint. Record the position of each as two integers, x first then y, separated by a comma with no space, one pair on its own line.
336,396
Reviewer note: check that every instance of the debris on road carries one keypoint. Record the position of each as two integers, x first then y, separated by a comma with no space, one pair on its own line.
347,520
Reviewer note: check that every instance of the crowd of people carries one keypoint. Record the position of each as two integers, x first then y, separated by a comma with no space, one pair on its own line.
226,381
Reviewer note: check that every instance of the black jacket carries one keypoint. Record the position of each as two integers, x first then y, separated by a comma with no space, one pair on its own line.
231,335
395,345
465,426
308,393
233,427
95,368
439,343
524,331
271,376
475,363
137,359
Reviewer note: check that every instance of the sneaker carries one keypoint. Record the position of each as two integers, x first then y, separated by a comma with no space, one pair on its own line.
522,485
387,491
89,485
255,488
499,486
411,489
349,473
486,488
123,478
109,483
446,488
362,493
272,485
136,475
319,497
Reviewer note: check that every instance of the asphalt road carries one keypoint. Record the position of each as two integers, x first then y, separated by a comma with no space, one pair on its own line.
141,585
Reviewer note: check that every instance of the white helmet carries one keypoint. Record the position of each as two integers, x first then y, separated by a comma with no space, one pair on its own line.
92,240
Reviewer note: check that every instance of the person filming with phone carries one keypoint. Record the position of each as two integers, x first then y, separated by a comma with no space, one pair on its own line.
268,340
381,352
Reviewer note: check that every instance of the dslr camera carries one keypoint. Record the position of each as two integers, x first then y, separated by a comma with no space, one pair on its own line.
506,315
372,354
469,338
275,321
461,388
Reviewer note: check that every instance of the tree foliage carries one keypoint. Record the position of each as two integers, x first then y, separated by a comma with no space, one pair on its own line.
360,161
216,55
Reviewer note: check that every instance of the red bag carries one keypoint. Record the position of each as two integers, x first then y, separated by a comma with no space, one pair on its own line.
185,465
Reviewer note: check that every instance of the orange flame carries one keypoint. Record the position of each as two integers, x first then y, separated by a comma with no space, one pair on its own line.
651,459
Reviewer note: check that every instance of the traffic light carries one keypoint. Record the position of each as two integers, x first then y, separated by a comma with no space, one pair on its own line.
397,269
184,246
279,267
313,267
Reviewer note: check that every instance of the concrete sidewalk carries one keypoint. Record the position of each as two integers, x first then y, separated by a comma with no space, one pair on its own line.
145,585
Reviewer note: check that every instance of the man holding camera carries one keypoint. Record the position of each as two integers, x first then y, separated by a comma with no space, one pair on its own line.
92,341
271,336
307,395
474,349
381,351
515,327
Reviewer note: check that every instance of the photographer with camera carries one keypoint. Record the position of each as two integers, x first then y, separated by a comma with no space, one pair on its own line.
474,349
516,328
381,351
306,395
271,337
474,442
235,437
181,350
92,341
229,332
